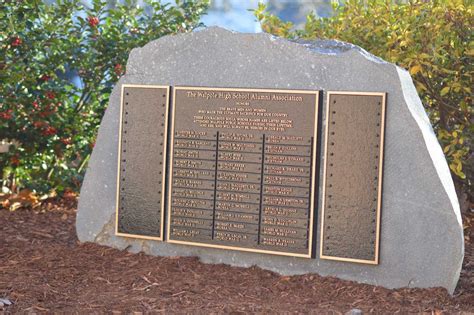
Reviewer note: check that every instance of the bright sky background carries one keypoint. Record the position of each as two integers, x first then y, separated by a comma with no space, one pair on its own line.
235,14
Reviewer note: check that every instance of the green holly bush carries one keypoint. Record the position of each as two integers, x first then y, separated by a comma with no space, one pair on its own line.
432,39
58,64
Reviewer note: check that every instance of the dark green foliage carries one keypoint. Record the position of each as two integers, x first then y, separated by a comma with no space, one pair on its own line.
51,118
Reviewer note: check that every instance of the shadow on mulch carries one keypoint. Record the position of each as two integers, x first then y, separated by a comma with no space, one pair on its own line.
43,268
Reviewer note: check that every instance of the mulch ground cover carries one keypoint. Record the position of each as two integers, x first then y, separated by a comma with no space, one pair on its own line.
44,269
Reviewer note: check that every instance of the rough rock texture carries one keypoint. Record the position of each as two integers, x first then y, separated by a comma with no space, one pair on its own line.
421,233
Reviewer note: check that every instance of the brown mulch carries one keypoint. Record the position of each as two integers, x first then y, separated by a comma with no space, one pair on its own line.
44,269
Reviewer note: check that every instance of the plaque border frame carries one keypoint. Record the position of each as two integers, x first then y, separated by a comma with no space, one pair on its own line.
314,174
165,150
379,184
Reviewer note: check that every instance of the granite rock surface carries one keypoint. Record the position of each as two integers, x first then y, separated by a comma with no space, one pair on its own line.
421,234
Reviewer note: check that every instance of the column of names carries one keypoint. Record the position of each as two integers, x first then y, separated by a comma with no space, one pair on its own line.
235,188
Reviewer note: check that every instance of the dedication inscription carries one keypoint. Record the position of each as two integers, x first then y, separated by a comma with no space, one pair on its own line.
242,169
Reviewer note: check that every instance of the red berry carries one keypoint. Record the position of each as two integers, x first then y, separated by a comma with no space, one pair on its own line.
49,131
93,21
45,78
66,141
14,160
50,95
35,105
38,124
118,69
7,115
16,41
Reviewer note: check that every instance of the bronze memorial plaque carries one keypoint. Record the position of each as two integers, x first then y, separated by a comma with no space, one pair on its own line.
142,161
242,169
352,188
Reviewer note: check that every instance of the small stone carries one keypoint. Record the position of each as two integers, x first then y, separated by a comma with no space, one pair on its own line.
354,311
4,301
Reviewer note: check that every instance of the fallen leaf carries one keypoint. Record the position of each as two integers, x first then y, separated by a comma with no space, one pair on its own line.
14,206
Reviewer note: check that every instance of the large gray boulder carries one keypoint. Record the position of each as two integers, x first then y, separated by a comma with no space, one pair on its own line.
421,234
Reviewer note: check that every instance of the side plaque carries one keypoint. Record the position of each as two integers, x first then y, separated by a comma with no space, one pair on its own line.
142,161
352,184
243,169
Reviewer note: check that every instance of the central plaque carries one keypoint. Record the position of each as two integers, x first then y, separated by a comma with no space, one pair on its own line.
242,169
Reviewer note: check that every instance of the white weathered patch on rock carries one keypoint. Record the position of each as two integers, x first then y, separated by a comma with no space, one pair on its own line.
436,153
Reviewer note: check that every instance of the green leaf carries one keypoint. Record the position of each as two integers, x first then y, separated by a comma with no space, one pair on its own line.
444,91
